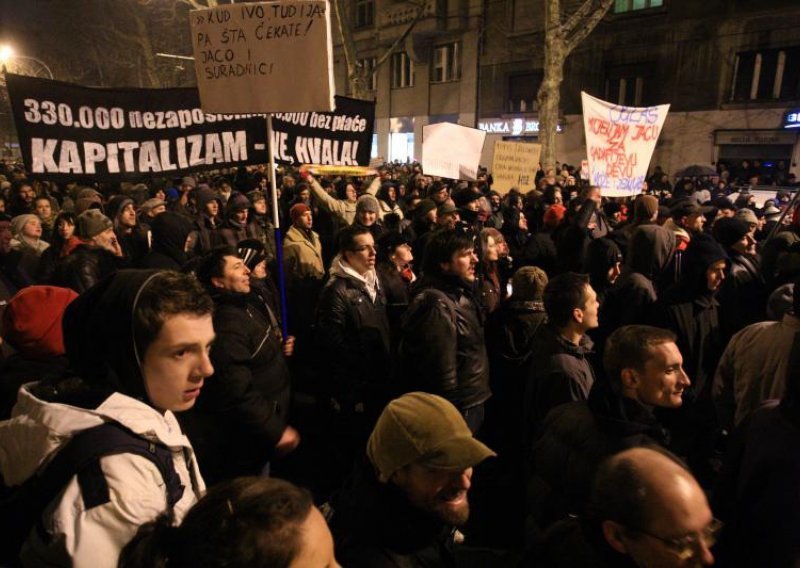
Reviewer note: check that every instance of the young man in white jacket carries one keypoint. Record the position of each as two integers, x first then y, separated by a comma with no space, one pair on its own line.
138,344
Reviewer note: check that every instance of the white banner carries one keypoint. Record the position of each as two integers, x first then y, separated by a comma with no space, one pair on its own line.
451,151
515,165
264,57
619,142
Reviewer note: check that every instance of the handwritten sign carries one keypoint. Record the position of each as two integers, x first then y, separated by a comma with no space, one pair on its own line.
451,151
264,57
515,165
620,141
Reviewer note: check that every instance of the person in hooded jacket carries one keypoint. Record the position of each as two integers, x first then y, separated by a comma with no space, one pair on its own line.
208,221
633,296
691,310
237,226
138,344
122,212
169,234
643,370
603,264
394,268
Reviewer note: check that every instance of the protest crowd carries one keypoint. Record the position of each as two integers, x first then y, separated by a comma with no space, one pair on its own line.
453,376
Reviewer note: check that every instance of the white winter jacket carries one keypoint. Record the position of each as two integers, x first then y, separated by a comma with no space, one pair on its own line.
137,491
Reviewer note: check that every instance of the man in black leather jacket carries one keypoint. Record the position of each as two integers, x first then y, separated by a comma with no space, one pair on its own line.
442,347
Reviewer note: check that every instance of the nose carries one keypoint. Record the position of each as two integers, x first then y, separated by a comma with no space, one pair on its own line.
206,369
705,555
463,480
684,380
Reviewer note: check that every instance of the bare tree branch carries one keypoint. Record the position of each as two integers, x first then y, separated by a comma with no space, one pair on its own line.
575,36
402,37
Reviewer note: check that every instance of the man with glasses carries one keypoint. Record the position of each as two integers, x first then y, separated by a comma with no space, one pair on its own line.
646,510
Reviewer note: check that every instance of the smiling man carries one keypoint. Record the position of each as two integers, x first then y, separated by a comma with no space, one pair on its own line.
644,371
138,343
411,489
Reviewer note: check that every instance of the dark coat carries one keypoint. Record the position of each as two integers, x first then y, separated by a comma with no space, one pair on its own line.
743,295
84,267
575,439
243,408
560,372
442,346
353,338
169,232
375,526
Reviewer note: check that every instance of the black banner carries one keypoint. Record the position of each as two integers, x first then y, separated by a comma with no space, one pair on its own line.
339,138
68,131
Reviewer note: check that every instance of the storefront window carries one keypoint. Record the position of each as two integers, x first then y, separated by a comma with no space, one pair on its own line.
401,147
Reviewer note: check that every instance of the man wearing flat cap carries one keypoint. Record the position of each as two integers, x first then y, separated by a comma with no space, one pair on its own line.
409,493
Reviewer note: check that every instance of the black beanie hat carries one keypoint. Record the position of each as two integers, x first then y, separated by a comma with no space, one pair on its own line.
728,230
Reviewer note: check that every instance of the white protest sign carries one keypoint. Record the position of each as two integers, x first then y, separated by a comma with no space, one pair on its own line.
619,142
264,57
451,151
514,165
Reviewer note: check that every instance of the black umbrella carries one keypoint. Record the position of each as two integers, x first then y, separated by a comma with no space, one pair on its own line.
696,171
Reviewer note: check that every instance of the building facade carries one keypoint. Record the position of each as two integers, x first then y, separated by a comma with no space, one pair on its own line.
729,68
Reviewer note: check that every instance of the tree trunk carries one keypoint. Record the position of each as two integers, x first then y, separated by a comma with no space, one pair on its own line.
549,96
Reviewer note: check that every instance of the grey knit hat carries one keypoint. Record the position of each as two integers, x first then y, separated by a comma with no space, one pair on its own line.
92,222
367,203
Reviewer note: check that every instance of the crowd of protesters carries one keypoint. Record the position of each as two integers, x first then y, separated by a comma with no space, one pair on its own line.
455,377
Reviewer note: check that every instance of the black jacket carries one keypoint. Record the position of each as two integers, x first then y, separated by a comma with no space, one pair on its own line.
442,345
353,337
375,526
560,372
743,295
243,409
169,232
84,267
575,439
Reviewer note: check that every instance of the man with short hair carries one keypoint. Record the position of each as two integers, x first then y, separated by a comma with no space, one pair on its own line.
410,491
442,347
241,421
643,371
560,370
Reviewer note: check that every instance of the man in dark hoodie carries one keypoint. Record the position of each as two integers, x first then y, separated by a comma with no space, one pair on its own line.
442,347
643,370
122,212
208,220
169,234
632,298
692,312
237,226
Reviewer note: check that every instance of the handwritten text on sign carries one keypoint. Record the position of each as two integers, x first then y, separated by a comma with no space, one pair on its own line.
514,165
264,57
619,143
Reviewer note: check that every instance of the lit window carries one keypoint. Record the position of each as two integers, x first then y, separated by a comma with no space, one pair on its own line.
622,6
402,70
446,63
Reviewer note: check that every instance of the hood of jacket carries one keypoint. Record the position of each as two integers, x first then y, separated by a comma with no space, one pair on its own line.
37,428
170,231
99,336
622,416
650,249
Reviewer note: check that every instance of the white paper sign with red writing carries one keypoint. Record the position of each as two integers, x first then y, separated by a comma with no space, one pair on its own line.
619,142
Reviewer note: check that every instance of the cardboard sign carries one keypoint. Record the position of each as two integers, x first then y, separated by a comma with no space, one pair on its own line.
264,57
452,151
68,131
619,142
515,165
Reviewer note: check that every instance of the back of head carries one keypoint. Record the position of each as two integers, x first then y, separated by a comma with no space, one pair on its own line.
650,250
528,284
248,522
108,328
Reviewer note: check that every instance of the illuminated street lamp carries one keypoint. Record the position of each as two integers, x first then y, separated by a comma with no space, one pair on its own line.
7,54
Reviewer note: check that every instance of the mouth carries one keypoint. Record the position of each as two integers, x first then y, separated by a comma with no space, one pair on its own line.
454,498
192,394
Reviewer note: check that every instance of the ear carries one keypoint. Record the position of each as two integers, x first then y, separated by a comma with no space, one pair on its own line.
577,315
628,378
612,532
216,282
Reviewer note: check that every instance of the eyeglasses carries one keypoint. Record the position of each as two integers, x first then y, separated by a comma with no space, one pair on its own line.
686,547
